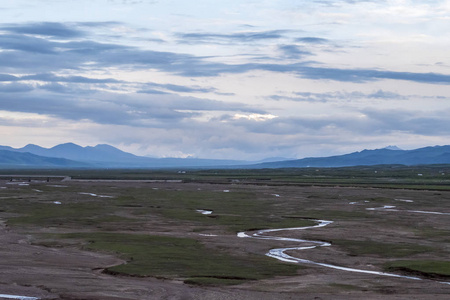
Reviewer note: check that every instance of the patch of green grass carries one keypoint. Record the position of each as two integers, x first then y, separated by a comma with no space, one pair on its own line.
49,214
335,215
170,257
356,248
427,268
235,210
347,287
431,232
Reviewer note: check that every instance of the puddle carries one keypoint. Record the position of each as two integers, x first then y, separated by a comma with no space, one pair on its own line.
90,194
428,212
204,211
384,208
17,297
390,208
95,195
404,200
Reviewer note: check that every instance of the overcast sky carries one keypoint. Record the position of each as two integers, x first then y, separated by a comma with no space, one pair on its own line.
234,79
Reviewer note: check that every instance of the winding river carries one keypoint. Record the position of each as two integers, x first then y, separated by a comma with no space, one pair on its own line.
280,253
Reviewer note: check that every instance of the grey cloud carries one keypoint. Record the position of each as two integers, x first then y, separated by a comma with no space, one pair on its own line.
26,44
52,29
96,110
98,24
312,40
144,110
380,94
65,89
177,88
196,67
293,51
15,88
250,36
48,77
376,122
333,96
154,92
7,77
409,121
364,75
41,56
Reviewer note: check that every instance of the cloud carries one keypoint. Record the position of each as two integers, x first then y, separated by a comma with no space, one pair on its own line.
365,122
426,123
69,101
51,29
15,88
66,89
339,96
7,77
239,37
312,40
365,75
175,88
48,77
293,51
41,55
26,44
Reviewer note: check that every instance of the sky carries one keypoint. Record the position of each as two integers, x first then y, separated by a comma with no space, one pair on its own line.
225,79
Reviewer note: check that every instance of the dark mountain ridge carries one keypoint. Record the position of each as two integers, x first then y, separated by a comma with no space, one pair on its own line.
106,156
103,156
385,156
13,159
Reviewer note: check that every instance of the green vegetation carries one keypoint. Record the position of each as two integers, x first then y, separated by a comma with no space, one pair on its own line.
427,268
240,200
170,257
362,248
435,177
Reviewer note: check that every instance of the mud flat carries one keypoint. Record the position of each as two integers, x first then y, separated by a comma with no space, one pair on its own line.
71,250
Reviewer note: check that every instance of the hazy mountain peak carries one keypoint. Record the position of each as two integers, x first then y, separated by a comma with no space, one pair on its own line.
392,147
67,146
32,146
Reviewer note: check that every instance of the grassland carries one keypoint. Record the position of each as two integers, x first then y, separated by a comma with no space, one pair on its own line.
154,225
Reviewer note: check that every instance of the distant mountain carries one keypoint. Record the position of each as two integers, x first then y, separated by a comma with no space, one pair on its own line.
14,159
70,155
99,153
421,156
390,147
106,156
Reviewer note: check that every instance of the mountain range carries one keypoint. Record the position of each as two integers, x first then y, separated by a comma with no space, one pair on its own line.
70,155
102,156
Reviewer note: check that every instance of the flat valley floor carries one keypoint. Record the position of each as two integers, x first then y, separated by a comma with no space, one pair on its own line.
53,237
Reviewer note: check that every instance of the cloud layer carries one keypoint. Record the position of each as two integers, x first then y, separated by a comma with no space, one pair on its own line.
228,81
